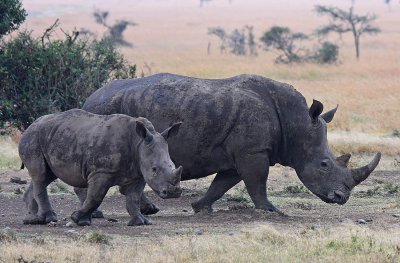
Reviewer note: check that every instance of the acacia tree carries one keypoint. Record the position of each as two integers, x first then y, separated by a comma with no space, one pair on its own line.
343,21
282,39
12,14
115,31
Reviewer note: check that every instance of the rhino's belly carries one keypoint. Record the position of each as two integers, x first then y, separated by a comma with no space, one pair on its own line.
198,165
69,173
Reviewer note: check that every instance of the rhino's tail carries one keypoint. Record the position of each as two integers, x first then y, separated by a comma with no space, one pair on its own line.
22,166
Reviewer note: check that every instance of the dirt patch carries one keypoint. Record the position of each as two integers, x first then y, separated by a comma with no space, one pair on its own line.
376,207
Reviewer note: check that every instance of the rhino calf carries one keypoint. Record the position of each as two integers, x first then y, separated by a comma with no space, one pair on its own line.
98,152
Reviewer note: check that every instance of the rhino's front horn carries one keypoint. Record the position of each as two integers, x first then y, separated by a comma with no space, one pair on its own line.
360,174
178,173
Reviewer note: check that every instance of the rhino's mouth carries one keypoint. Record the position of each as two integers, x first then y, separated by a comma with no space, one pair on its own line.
335,197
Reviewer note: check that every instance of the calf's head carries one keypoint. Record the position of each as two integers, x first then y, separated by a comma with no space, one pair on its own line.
156,166
320,171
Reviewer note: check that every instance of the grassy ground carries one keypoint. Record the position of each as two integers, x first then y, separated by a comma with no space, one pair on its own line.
260,243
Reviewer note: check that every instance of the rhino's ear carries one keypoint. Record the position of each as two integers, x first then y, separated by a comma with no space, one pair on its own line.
328,116
171,131
142,131
344,159
315,110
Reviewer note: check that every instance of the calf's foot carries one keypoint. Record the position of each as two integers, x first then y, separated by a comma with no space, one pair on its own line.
149,209
81,219
97,214
33,219
139,220
49,216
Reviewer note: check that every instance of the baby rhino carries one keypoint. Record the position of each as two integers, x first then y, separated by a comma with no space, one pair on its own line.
95,151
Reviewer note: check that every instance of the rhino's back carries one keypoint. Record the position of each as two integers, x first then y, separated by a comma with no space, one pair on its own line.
240,110
79,142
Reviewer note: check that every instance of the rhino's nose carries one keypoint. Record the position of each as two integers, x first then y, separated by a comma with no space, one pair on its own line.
163,193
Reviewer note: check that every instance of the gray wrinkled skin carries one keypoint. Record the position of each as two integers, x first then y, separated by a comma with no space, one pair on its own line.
88,150
237,128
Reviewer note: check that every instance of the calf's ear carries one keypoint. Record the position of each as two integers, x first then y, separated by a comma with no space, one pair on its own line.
328,116
315,110
171,131
141,130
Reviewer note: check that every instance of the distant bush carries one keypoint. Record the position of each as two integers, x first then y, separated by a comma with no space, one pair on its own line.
327,54
42,75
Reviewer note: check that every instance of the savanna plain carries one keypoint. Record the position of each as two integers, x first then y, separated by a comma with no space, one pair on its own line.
171,36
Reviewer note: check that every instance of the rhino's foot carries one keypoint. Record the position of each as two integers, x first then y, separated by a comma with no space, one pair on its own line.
33,219
81,219
97,214
270,208
49,216
139,220
149,209
197,208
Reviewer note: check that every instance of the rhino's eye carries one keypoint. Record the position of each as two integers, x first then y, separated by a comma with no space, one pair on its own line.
154,169
324,164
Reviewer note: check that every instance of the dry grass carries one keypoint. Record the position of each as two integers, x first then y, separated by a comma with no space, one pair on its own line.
259,243
172,37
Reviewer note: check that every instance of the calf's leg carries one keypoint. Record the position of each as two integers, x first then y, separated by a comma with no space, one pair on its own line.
82,193
31,206
133,194
146,206
98,186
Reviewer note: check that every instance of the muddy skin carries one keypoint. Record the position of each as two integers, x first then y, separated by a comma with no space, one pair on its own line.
237,128
97,152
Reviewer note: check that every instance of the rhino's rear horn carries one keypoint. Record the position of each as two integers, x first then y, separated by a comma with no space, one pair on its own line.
360,174
344,159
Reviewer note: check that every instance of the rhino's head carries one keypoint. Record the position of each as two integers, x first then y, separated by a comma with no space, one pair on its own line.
158,170
320,171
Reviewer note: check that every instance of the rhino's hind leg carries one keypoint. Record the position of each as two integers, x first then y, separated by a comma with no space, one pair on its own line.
82,193
97,190
253,169
45,213
32,207
133,195
222,182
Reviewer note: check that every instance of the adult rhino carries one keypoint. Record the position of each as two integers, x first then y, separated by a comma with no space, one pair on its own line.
94,151
237,128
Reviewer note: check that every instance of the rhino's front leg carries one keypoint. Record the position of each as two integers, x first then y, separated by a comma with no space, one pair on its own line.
222,182
98,186
147,207
133,194
253,169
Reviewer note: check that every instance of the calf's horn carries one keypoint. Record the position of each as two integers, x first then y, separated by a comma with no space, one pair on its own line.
178,173
360,174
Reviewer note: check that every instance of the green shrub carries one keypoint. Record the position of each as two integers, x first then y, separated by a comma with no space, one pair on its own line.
327,54
7,235
43,75
11,16
95,237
